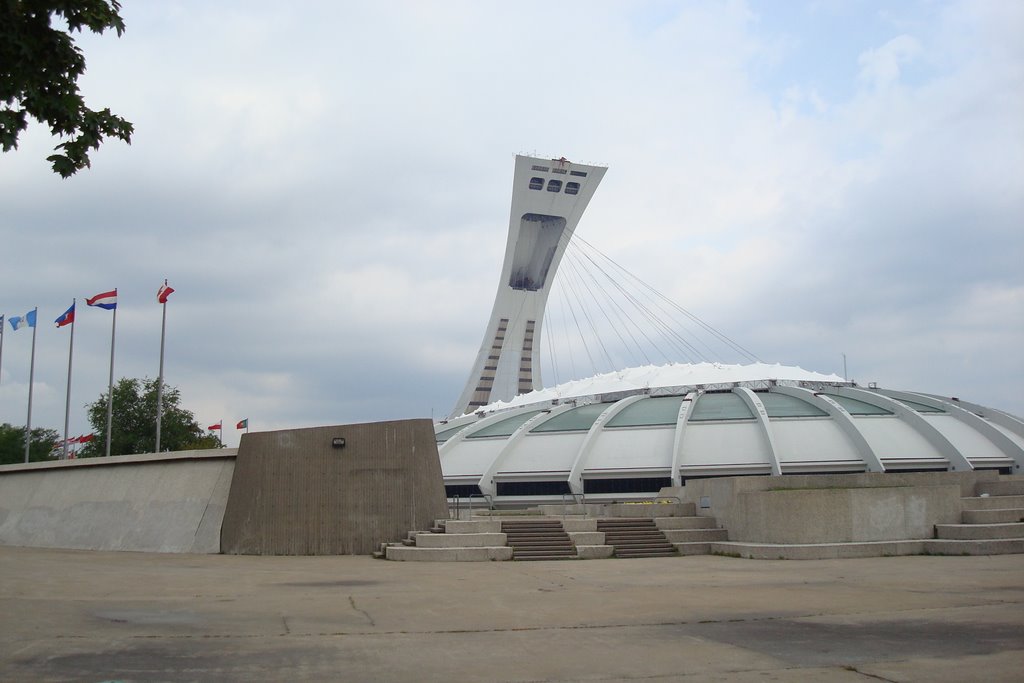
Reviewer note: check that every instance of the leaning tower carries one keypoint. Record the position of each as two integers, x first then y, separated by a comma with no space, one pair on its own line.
548,199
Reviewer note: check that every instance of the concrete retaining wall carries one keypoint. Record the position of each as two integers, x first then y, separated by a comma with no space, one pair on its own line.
832,508
168,502
294,493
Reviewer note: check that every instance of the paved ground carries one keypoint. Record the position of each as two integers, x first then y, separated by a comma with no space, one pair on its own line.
92,616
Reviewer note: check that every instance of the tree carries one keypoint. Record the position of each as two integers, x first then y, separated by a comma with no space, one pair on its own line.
133,421
39,70
12,444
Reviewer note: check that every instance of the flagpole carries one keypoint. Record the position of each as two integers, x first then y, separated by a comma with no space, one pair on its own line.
31,379
2,347
67,402
160,378
110,383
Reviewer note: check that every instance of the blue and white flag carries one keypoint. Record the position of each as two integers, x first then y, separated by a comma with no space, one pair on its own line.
20,321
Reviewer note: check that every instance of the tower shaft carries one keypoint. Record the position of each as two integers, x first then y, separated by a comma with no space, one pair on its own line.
548,200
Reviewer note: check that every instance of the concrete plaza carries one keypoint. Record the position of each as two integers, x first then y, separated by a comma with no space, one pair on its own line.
108,616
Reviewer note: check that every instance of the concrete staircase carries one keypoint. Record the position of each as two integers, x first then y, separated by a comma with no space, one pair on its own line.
637,537
538,539
691,535
992,522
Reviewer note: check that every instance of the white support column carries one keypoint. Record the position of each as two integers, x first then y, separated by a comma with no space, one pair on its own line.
579,463
842,418
755,405
677,442
487,484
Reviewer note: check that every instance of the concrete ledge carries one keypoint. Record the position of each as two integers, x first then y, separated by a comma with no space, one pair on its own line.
410,554
999,546
1003,487
579,538
992,502
979,532
135,459
571,525
428,540
665,523
651,510
459,526
691,548
632,510
993,516
594,552
818,551
695,535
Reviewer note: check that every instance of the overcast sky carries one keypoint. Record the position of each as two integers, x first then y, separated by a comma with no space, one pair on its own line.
327,187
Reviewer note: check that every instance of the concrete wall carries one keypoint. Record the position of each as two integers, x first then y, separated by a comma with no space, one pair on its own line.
832,508
294,494
168,502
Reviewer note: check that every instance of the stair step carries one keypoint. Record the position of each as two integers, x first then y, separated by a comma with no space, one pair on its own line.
1003,487
992,502
979,532
995,516
992,546
646,553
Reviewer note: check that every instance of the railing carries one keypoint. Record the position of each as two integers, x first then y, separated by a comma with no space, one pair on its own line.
455,504
577,499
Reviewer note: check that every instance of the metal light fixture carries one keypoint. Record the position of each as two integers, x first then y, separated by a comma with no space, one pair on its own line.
338,442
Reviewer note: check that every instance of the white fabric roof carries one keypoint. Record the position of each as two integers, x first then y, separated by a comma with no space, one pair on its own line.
673,375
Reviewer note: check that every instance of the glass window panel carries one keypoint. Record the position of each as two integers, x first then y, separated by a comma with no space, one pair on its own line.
504,427
855,407
446,434
781,405
575,420
554,186
920,407
649,412
720,407
536,183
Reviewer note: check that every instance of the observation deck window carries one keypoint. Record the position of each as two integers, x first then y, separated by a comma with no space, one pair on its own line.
536,183
572,188
554,186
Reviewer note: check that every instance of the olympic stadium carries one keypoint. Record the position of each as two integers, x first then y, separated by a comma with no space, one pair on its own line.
629,433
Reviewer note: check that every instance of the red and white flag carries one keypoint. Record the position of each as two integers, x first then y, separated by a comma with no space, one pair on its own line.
216,426
163,293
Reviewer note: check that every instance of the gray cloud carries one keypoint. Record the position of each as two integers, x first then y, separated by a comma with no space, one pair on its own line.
327,189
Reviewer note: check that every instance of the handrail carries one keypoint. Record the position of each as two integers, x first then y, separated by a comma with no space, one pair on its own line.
456,503
577,499
676,498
